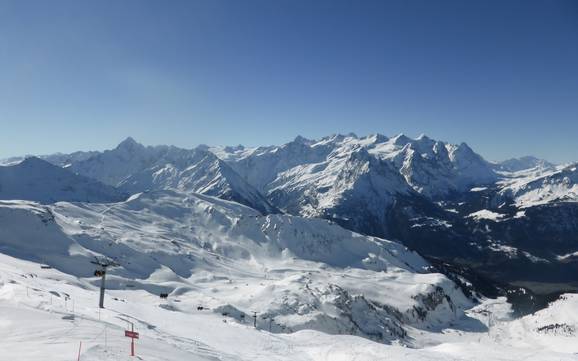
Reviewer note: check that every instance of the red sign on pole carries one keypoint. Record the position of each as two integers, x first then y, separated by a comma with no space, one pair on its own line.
131,334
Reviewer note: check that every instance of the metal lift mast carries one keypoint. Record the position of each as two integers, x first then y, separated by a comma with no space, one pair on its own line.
103,264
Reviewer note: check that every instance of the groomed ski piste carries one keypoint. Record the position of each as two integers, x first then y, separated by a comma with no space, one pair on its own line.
319,292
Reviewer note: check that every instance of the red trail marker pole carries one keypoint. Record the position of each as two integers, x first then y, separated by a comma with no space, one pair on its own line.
132,335
132,342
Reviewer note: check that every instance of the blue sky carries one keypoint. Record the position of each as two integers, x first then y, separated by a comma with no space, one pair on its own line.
499,75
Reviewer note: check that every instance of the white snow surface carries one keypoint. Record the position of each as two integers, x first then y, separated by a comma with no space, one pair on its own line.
320,292
486,214
303,273
48,314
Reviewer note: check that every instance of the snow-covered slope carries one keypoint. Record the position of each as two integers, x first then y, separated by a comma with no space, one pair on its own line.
531,188
554,327
47,313
37,180
299,273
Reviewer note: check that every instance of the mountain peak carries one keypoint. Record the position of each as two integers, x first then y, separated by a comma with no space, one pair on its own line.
351,135
464,147
234,148
35,162
301,140
401,139
128,143
202,147
378,138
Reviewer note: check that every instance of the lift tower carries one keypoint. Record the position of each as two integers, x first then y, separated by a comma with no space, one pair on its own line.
103,263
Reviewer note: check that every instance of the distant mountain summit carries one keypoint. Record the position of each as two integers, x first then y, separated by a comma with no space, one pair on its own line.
523,163
197,171
133,167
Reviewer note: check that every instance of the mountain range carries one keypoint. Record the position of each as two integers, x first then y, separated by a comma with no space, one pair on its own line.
513,221
421,248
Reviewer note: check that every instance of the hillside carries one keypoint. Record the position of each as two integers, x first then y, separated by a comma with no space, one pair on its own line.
37,180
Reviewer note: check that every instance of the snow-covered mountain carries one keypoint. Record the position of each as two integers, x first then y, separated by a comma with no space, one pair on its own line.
129,157
37,180
432,168
197,171
299,273
202,226
59,159
548,186
523,163
134,168
441,199
363,183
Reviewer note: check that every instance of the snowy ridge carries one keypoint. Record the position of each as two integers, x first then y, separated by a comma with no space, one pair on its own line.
59,159
529,189
360,182
297,176
432,168
113,166
523,163
197,171
134,168
37,180
350,182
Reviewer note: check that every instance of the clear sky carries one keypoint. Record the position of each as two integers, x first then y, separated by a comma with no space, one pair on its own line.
500,75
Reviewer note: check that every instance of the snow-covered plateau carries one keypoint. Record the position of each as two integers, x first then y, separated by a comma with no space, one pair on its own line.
342,248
